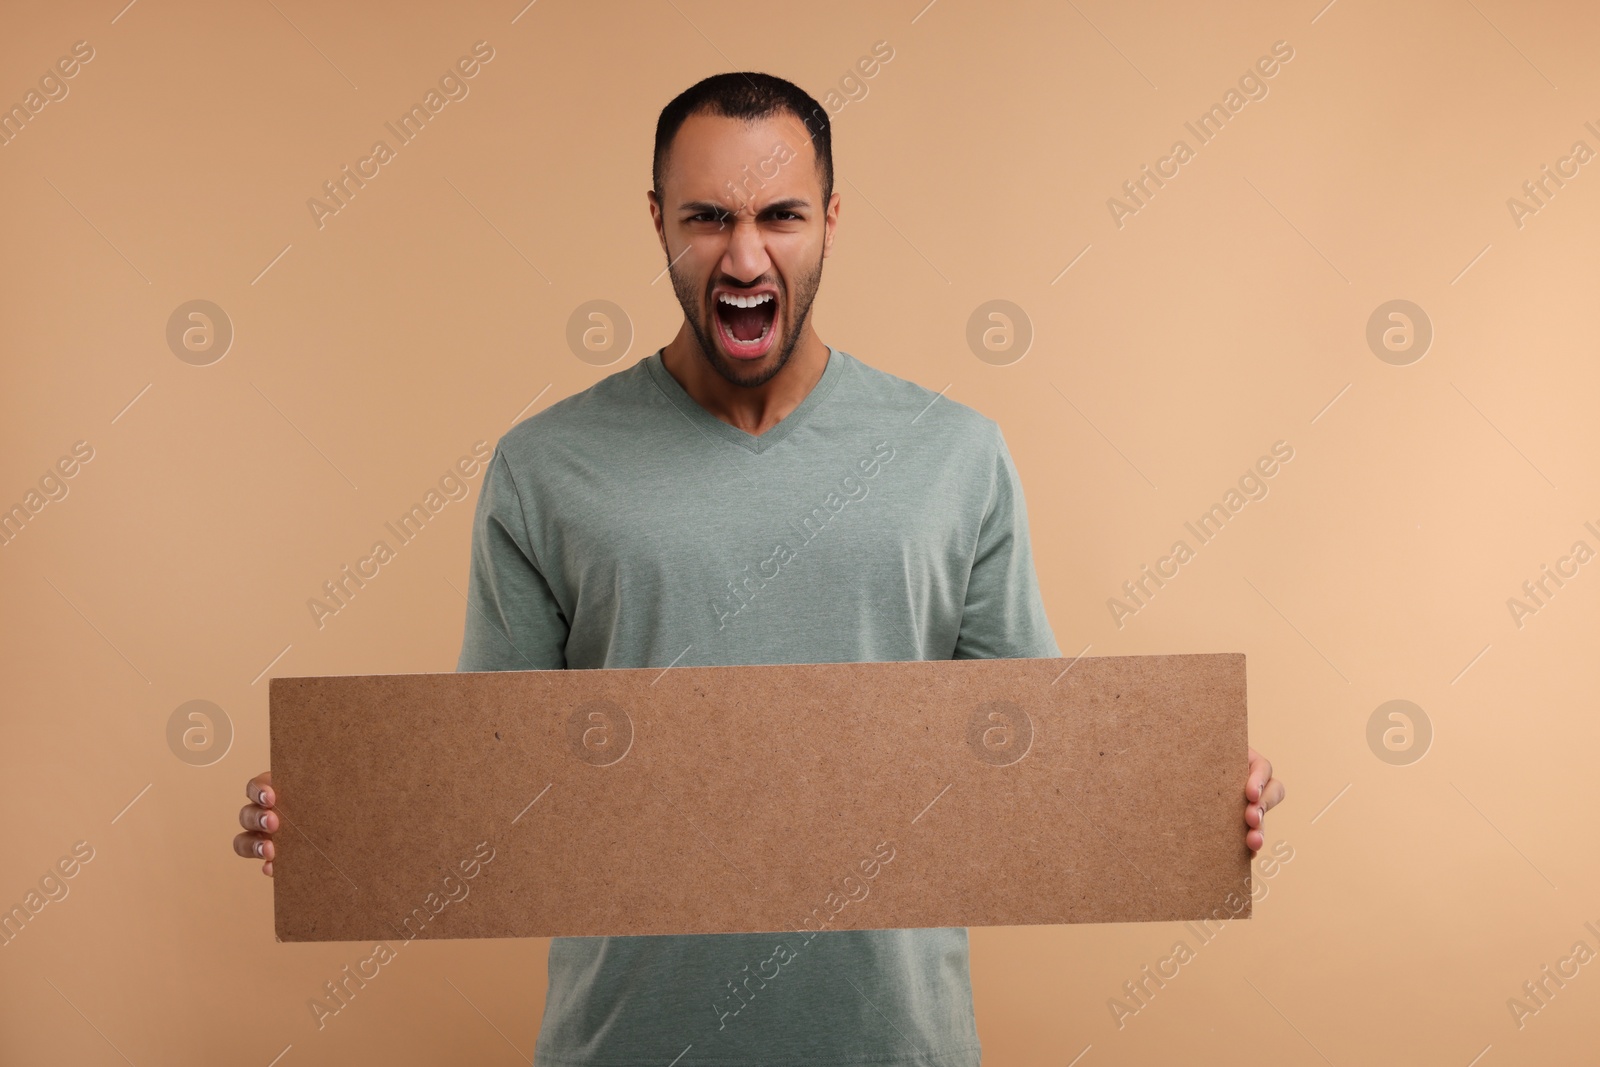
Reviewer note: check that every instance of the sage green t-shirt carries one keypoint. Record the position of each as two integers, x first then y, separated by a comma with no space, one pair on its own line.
626,526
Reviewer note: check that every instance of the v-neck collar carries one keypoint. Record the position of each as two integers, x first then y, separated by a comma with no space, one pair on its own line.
704,420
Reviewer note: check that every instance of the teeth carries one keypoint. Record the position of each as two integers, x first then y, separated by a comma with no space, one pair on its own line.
744,301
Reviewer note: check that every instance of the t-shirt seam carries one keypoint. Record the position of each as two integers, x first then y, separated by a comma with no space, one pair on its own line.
527,527
990,503
660,387
993,501
761,445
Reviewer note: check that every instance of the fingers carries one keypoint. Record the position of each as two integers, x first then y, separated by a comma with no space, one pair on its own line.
1256,781
255,817
1268,792
259,789
1255,819
254,845
259,823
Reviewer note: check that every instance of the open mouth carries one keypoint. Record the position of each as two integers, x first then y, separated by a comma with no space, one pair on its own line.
746,323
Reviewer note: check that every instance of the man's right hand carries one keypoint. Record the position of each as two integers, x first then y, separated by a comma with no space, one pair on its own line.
259,822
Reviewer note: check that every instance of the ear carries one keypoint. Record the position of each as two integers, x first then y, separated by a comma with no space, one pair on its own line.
829,223
657,218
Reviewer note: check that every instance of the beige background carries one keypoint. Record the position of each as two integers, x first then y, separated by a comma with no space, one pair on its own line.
1229,313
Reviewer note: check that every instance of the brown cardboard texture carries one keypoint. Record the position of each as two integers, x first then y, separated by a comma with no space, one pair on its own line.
695,800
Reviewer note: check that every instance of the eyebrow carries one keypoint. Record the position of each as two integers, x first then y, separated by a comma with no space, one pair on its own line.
694,207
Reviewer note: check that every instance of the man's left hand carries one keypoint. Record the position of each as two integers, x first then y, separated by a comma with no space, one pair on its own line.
1261,791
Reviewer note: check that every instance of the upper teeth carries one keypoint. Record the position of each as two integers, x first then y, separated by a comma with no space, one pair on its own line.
744,301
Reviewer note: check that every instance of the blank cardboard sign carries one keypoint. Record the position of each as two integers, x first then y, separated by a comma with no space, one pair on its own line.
760,798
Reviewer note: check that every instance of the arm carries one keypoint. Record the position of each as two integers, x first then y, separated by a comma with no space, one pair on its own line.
512,623
1004,617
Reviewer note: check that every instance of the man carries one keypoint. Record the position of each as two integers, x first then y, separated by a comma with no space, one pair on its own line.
749,494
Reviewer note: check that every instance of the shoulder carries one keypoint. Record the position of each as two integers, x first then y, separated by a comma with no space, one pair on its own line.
928,411
574,422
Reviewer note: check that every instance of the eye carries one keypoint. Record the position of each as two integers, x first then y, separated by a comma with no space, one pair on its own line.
789,214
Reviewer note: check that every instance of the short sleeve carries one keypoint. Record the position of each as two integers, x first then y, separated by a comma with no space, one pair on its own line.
1003,616
514,622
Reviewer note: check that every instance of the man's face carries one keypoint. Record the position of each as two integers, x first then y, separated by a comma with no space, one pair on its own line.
743,220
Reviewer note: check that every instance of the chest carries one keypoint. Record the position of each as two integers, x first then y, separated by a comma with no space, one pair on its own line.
872,518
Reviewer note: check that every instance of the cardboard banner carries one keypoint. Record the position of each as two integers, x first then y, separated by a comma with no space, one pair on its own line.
760,798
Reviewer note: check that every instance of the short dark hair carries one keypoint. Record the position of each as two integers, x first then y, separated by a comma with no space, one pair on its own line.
746,95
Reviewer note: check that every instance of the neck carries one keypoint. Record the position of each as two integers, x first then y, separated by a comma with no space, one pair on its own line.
757,409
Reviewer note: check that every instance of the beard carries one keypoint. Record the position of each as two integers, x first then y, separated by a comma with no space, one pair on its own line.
797,306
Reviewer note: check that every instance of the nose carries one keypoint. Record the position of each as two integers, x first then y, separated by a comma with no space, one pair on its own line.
746,255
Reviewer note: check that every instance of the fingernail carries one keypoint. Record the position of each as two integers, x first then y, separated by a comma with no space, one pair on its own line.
260,849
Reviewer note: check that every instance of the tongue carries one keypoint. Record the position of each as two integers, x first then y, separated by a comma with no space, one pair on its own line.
746,323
